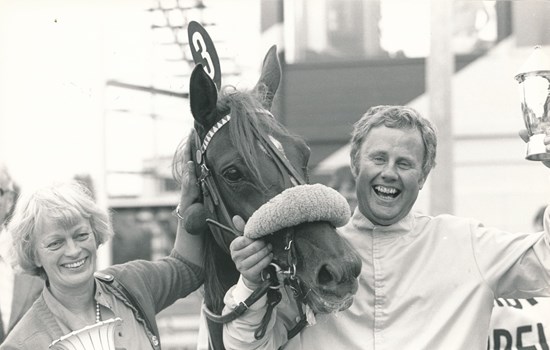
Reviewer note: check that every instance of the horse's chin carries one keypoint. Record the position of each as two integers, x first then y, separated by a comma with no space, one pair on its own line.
325,304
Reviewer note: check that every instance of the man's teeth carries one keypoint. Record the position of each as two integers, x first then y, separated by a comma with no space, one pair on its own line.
75,264
388,191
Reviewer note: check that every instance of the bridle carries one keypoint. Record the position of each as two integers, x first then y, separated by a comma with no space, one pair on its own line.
270,276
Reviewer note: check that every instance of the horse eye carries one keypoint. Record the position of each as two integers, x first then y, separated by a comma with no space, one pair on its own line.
232,175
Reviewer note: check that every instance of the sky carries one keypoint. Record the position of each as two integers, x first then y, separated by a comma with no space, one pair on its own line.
56,112
57,115
53,65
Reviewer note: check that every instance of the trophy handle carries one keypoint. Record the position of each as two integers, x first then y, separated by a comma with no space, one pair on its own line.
99,336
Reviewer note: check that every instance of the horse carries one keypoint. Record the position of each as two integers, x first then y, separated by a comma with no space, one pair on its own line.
244,158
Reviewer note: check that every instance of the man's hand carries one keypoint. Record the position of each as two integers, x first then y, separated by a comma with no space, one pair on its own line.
250,257
525,137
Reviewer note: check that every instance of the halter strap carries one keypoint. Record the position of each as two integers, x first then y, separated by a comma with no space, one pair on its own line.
280,160
213,131
271,286
211,195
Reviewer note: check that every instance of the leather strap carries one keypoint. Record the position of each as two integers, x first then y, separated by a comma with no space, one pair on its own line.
244,305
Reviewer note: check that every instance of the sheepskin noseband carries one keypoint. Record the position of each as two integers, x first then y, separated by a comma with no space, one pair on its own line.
296,205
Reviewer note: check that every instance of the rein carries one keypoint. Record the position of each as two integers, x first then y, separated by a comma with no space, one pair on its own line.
270,284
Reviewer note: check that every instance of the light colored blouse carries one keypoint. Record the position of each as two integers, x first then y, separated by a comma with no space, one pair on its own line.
131,334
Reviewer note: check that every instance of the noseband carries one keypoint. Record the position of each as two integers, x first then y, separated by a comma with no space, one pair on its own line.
270,276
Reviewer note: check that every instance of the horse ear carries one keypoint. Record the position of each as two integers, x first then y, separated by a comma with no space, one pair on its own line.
271,75
203,97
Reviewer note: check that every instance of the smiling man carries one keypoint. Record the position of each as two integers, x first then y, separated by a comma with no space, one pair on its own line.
388,166
427,282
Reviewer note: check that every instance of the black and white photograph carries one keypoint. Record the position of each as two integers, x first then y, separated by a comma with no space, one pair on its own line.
275,174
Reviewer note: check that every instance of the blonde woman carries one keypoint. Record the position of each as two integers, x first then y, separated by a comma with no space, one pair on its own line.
56,233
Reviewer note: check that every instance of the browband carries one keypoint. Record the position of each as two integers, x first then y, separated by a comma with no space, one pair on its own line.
219,125
213,131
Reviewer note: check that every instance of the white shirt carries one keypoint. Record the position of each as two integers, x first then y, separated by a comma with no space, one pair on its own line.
426,283
6,280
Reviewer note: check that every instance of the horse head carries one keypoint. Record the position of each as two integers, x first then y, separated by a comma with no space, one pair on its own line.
244,158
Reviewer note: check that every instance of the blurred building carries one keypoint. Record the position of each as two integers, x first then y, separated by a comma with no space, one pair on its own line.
492,181
339,58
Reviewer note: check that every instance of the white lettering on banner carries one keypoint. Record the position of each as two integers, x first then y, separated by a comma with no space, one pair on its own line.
520,324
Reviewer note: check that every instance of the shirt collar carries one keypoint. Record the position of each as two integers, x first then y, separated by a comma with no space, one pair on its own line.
68,320
399,228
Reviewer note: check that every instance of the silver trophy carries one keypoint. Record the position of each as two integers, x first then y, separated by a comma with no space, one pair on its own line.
534,83
99,336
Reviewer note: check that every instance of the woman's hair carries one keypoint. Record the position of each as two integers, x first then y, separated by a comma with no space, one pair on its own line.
63,204
399,117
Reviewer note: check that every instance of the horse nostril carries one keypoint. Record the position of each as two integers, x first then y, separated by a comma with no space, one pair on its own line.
326,275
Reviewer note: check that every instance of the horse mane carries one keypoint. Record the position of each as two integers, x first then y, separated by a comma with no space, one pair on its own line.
248,113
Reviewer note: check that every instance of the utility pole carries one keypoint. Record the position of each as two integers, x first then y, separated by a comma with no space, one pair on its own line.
439,71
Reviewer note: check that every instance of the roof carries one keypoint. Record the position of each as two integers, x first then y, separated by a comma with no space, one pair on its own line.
485,100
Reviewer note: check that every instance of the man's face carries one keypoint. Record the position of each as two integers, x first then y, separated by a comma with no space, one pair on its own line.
389,174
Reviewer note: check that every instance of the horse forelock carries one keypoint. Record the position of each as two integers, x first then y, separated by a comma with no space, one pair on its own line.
247,112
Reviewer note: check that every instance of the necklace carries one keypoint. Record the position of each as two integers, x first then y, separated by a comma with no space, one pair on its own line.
97,313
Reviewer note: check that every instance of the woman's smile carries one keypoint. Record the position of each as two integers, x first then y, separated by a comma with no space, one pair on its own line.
74,265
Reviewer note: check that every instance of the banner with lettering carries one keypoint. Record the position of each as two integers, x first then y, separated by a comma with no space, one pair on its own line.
520,324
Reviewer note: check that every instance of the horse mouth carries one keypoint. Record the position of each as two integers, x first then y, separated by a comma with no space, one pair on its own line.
322,303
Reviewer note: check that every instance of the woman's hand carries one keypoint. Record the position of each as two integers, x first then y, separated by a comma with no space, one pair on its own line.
189,242
189,186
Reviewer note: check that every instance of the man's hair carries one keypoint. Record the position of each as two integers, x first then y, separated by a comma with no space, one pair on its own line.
62,204
399,117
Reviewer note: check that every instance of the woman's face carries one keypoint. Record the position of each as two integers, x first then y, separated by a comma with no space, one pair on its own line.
67,253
